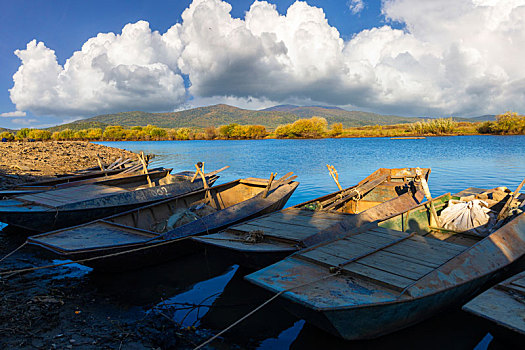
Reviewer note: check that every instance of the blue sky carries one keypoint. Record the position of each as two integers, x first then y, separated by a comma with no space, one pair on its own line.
438,65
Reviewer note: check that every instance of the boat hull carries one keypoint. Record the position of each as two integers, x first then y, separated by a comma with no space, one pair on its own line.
40,218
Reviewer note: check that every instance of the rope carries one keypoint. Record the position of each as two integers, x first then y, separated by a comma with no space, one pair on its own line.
13,272
260,307
14,251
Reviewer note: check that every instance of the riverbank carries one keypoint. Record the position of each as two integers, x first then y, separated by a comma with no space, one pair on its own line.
30,161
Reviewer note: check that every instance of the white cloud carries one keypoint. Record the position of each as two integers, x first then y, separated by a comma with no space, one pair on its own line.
454,57
133,70
13,114
25,122
355,6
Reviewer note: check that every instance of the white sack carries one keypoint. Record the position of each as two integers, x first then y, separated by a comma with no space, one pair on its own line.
470,216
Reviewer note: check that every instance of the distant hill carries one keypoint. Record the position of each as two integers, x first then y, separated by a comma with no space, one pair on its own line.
221,114
483,118
4,129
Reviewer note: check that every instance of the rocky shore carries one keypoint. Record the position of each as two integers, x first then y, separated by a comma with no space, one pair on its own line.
30,161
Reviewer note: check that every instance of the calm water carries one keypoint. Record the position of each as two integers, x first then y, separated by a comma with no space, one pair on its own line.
219,288
456,162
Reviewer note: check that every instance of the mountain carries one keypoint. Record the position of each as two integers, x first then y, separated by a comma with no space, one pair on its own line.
222,114
483,118
4,129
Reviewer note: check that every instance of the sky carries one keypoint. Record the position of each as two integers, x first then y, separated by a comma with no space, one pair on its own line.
64,60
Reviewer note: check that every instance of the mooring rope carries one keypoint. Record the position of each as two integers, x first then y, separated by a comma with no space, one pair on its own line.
14,251
260,307
13,272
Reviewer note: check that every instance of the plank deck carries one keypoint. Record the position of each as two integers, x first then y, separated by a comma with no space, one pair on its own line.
92,236
382,259
56,198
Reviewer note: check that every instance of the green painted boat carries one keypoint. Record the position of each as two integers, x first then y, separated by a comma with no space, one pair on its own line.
373,282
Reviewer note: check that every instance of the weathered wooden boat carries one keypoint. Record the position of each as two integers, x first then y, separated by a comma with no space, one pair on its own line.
503,304
119,168
159,232
66,207
270,238
374,282
98,177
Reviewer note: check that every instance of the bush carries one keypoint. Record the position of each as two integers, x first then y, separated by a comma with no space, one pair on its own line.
7,135
434,126
22,133
39,134
308,128
337,129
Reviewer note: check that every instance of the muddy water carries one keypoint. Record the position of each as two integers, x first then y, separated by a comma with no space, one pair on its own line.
182,303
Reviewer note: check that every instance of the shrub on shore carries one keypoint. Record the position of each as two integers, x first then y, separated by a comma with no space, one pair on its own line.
7,135
509,123
434,126
314,127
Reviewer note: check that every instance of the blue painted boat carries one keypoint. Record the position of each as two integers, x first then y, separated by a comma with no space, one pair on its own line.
64,207
374,282
503,304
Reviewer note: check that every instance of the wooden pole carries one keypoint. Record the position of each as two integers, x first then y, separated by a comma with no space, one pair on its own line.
145,168
334,175
426,191
506,207
200,171
100,163
267,189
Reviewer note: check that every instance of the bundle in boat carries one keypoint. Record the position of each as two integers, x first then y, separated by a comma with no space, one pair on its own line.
260,242
159,232
70,206
376,281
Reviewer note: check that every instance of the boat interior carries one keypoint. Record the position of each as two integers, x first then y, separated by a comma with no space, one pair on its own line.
378,187
169,214
291,227
139,225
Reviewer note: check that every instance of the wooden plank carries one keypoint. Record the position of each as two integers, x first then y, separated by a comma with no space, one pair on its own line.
285,226
294,235
323,214
520,282
409,248
311,224
380,277
397,265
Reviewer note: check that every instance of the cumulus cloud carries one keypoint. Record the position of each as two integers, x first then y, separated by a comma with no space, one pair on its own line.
13,114
453,57
355,6
136,69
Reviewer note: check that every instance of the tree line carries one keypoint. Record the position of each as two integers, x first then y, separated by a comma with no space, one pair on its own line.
508,123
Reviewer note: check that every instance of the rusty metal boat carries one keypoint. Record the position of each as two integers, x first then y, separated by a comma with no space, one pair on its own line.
376,281
159,232
70,206
270,238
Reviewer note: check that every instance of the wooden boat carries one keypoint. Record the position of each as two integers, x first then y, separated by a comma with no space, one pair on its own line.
119,168
374,282
72,181
151,231
66,207
384,193
502,304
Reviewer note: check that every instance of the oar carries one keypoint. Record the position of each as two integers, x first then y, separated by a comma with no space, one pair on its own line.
506,207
